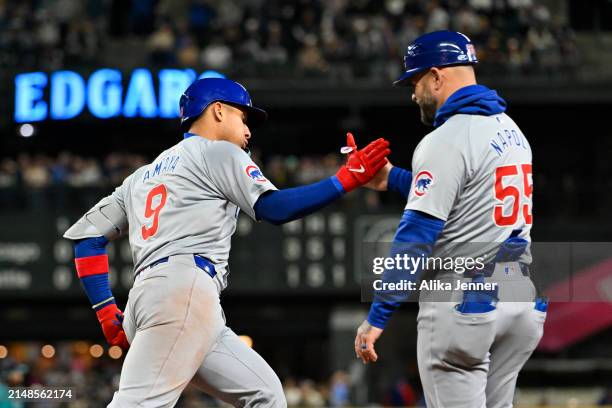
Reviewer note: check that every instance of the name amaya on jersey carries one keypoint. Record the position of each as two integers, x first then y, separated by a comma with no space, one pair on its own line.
165,165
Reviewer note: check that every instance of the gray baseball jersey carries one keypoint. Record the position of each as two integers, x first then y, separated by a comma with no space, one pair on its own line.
187,201
474,173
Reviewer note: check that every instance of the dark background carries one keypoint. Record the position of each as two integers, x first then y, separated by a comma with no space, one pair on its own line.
563,108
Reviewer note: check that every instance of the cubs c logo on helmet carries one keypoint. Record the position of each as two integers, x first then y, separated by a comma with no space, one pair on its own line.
422,183
256,174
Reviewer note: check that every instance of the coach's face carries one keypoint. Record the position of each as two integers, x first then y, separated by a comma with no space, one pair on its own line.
422,95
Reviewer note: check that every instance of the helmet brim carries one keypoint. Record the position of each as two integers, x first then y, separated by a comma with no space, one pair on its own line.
404,80
255,116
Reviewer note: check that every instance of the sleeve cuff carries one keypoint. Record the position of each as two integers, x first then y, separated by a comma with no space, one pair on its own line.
378,319
337,184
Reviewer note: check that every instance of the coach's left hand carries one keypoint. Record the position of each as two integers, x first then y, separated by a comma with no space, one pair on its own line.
364,342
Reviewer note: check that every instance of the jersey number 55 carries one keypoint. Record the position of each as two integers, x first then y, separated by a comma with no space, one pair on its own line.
513,192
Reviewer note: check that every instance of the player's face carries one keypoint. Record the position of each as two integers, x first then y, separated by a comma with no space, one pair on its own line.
235,128
422,96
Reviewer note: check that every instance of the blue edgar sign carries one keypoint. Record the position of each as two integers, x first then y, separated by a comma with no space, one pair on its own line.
102,93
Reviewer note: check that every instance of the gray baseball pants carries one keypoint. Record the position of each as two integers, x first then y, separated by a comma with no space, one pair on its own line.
177,334
472,360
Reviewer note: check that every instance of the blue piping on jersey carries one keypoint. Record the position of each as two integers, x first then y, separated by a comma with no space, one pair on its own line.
188,135
471,100
281,206
420,229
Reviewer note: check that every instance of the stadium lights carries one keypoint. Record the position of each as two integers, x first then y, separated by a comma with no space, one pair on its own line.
115,352
3,351
47,351
96,351
26,130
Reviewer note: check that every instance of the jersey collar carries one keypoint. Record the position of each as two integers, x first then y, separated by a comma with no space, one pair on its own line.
187,135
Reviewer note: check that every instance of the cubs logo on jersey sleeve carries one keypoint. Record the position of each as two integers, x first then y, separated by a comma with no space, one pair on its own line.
254,173
422,183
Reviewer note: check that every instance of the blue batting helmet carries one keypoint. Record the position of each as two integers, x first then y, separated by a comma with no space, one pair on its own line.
437,49
205,91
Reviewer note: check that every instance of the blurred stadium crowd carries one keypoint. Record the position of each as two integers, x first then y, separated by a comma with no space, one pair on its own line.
338,39
71,181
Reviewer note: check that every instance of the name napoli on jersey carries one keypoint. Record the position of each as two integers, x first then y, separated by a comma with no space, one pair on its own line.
167,164
506,139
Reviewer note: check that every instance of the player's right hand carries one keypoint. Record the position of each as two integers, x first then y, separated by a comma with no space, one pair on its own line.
362,165
110,318
364,342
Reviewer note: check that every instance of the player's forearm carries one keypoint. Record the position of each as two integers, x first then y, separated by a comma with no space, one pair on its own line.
91,262
415,237
282,206
399,180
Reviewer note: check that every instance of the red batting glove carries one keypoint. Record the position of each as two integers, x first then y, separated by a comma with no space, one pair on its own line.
110,318
362,165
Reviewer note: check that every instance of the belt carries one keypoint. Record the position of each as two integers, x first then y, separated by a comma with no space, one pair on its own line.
489,268
204,264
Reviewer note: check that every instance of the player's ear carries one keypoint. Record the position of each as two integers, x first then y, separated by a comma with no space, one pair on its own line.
436,75
218,111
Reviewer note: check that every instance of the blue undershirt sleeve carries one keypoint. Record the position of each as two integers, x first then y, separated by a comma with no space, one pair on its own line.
92,252
399,180
415,237
281,206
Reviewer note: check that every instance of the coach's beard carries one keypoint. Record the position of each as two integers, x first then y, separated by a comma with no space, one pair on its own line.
427,104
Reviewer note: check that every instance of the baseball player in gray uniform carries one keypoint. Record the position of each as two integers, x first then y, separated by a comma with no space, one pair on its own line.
471,181
179,213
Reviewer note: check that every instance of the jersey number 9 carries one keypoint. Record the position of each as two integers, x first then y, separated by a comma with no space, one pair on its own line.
156,191
511,191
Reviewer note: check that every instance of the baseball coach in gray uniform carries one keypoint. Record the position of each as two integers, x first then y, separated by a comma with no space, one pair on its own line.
471,182
180,213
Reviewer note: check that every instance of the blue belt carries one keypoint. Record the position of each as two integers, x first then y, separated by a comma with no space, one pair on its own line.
204,264
489,268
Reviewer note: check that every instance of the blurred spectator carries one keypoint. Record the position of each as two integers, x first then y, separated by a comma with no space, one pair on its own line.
311,61
188,52
402,394
35,172
543,47
217,55
311,396
273,52
85,173
161,44
606,399
293,394
8,173
438,17
339,390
